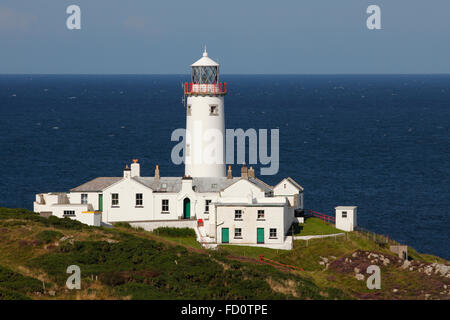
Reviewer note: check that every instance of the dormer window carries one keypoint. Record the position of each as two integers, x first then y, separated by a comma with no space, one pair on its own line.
188,111
213,110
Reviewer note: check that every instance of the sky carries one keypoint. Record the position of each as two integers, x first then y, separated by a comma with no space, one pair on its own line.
244,36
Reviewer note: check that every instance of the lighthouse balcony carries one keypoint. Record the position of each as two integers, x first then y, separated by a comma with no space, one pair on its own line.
191,88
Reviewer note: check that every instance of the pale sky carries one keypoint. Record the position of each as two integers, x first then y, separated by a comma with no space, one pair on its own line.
245,36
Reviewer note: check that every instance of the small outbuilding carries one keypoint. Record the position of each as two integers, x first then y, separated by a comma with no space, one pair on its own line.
346,218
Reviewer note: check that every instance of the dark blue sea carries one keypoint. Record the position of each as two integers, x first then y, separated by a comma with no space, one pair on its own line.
379,142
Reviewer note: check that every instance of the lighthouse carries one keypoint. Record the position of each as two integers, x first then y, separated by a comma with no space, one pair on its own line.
205,120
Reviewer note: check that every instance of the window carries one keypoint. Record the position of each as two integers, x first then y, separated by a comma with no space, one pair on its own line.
189,110
238,233
165,205
84,197
260,214
213,186
237,214
344,214
273,233
69,213
207,202
213,110
139,200
115,199
188,150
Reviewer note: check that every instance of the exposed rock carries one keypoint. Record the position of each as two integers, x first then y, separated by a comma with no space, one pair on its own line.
356,270
359,277
394,290
52,293
406,264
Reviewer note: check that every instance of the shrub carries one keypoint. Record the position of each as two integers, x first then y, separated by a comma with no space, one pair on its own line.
122,225
48,236
175,232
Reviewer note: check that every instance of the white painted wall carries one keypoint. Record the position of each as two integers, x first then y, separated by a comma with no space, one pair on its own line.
197,124
274,218
348,223
127,209
242,189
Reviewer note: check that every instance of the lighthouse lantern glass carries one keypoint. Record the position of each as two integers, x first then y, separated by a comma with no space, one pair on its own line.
205,74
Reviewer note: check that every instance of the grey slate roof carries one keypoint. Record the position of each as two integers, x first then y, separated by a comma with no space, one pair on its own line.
163,184
96,185
170,184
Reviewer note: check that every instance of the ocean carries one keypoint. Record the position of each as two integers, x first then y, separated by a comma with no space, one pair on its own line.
380,142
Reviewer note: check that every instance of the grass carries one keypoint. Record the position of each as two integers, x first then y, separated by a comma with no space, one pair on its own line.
314,226
128,263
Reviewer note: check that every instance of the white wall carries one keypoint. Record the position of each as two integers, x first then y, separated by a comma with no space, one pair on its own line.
200,114
274,218
348,223
127,209
242,189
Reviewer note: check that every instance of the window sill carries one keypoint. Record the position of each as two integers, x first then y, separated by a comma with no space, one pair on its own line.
273,237
165,212
238,238
206,212
115,206
139,206
238,219
260,219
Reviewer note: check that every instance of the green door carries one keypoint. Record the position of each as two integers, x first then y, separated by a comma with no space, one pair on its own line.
100,202
260,235
225,235
187,208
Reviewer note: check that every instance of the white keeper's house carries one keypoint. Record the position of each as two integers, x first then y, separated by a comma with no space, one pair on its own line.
220,207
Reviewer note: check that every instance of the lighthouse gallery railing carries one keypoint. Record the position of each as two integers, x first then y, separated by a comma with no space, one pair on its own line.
205,88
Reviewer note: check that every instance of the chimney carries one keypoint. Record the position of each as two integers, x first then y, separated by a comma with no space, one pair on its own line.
127,172
157,172
229,173
244,171
251,172
135,169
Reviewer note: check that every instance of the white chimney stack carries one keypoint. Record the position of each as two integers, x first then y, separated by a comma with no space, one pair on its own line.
135,169
127,172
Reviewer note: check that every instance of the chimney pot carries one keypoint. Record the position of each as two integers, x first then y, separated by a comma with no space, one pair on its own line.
229,173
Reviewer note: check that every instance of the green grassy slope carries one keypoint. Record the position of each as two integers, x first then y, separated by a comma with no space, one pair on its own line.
126,263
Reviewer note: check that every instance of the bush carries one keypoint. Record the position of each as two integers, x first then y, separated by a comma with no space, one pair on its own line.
175,232
48,236
122,225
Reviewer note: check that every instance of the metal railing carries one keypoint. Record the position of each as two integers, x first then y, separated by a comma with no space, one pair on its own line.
205,88
326,218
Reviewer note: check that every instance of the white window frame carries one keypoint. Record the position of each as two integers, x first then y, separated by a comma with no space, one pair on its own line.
213,110
114,199
84,198
273,233
236,213
139,199
263,214
69,213
207,203
165,205
238,233
344,214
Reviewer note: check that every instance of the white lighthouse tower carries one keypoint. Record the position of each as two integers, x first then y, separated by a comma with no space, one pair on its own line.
205,120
